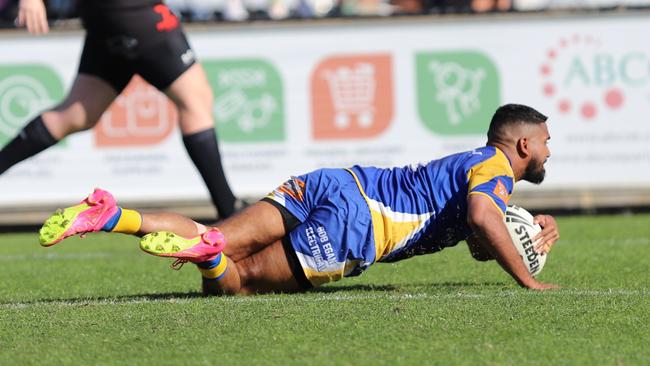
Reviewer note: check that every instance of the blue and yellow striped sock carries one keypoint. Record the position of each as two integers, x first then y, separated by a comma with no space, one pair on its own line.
214,269
124,221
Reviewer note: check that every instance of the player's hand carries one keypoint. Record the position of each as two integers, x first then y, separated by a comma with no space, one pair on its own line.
32,14
549,235
541,286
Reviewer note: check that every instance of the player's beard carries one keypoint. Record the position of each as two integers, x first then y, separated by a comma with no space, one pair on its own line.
535,172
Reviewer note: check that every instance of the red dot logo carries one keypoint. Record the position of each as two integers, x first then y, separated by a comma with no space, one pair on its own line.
568,56
614,98
564,106
588,110
549,89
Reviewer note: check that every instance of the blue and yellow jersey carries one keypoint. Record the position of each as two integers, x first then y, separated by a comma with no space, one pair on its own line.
423,209
349,219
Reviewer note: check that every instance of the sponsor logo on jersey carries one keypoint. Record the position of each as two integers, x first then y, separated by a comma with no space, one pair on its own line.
501,191
294,187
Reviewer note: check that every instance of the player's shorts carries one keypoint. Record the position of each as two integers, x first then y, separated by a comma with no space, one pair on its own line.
333,237
144,40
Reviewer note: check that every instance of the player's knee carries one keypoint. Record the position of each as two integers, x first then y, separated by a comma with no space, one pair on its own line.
198,101
70,119
195,119
249,271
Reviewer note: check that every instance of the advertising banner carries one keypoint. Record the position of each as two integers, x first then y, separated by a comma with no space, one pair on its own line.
291,99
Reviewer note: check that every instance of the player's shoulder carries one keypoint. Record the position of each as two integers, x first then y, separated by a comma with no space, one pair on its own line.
489,156
466,160
483,153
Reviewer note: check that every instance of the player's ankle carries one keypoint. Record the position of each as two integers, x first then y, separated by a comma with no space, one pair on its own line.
214,269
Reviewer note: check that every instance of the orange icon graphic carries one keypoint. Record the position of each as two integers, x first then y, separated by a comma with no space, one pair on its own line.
352,97
140,116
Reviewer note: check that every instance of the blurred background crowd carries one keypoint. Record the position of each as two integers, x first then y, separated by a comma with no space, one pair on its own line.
246,10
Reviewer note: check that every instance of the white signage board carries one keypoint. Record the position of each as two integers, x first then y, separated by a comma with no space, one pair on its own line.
292,99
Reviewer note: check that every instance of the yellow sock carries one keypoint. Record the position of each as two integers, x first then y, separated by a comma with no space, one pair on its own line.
129,222
214,269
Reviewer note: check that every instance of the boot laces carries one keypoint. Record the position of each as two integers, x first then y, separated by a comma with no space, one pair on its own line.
178,264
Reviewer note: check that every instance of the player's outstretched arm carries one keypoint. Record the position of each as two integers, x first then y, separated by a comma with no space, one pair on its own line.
32,14
486,221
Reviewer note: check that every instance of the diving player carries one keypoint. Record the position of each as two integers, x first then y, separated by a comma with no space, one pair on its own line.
123,38
333,223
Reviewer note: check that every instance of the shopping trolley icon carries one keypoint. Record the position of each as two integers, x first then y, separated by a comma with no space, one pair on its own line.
353,94
458,88
21,96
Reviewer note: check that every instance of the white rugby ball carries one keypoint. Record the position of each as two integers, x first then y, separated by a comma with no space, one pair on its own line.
522,231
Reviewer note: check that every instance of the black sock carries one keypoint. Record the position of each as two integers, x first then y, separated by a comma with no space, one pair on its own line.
31,140
204,151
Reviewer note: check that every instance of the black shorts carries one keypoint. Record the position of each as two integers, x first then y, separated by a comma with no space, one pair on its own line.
290,222
146,40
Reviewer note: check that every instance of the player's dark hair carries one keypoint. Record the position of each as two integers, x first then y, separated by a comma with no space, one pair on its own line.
511,114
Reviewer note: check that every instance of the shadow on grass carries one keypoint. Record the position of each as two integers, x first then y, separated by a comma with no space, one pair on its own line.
414,287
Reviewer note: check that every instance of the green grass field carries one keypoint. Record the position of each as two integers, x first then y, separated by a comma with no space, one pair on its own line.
100,300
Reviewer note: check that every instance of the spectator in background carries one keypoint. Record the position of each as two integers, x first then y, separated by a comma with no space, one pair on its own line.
7,12
61,9
483,6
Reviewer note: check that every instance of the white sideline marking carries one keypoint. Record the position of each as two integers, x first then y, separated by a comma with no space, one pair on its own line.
60,256
309,297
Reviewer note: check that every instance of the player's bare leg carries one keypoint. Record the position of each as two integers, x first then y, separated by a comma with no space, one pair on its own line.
87,100
257,258
265,271
83,106
252,261
193,98
243,255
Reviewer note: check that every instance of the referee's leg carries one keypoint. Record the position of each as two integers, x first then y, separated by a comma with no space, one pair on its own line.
87,100
89,97
193,97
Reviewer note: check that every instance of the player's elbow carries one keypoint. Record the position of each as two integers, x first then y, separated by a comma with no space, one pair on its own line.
482,256
478,249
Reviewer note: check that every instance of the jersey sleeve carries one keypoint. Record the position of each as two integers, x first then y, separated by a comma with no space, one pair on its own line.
492,178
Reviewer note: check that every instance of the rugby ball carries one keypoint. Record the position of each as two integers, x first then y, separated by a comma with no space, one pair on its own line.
522,231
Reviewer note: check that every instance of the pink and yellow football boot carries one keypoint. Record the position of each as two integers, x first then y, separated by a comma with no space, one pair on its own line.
89,215
202,248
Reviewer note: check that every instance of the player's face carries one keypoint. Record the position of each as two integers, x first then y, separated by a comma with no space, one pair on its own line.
538,145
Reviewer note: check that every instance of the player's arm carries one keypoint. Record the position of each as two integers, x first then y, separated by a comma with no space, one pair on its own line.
32,14
486,220
477,249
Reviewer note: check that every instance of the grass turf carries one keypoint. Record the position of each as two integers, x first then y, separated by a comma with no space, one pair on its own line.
100,300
